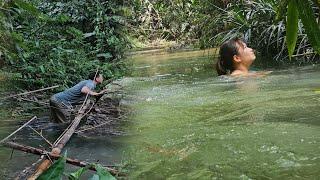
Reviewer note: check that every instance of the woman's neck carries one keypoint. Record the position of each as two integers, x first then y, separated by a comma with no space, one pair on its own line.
240,70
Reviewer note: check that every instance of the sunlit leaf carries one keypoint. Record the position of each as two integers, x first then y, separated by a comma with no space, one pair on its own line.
55,171
103,173
76,175
292,27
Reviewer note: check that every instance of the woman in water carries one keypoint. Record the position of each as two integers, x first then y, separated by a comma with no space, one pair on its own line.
235,58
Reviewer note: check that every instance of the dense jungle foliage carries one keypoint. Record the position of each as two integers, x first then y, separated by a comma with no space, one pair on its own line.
60,42
262,23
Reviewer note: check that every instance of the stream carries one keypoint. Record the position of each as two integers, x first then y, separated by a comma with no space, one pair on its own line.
187,123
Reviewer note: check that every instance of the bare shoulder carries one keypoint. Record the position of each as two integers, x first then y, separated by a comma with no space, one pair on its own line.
250,74
259,73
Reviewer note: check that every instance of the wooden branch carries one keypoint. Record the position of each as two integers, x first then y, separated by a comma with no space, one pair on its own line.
45,139
29,92
303,54
61,142
25,124
76,162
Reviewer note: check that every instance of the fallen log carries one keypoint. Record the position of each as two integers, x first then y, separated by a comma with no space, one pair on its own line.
29,149
61,142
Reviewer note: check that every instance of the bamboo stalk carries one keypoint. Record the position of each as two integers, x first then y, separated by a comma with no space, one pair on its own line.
25,124
29,92
36,151
303,54
40,134
45,164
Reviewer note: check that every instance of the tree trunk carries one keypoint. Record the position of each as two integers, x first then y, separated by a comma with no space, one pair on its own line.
56,150
37,151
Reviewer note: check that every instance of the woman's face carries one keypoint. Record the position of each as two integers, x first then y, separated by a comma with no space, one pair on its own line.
246,54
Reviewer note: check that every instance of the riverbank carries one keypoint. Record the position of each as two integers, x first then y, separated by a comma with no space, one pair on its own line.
159,46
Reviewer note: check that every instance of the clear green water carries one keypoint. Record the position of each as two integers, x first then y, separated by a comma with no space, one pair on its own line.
187,123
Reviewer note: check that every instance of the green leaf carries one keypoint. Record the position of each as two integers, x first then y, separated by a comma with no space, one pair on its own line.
74,31
42,69
281,10
55,171
76,175
28,7
103,173
62,18
238,15
310,24
292,27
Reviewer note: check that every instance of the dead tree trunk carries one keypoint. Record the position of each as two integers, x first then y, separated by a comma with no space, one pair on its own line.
37,151
58,146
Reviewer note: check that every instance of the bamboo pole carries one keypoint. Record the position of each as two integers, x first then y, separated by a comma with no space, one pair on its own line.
45,164
40,134
76,162
25,124
29,92
304,54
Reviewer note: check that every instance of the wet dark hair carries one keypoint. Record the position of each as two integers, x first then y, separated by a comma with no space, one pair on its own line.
94,74
227,50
